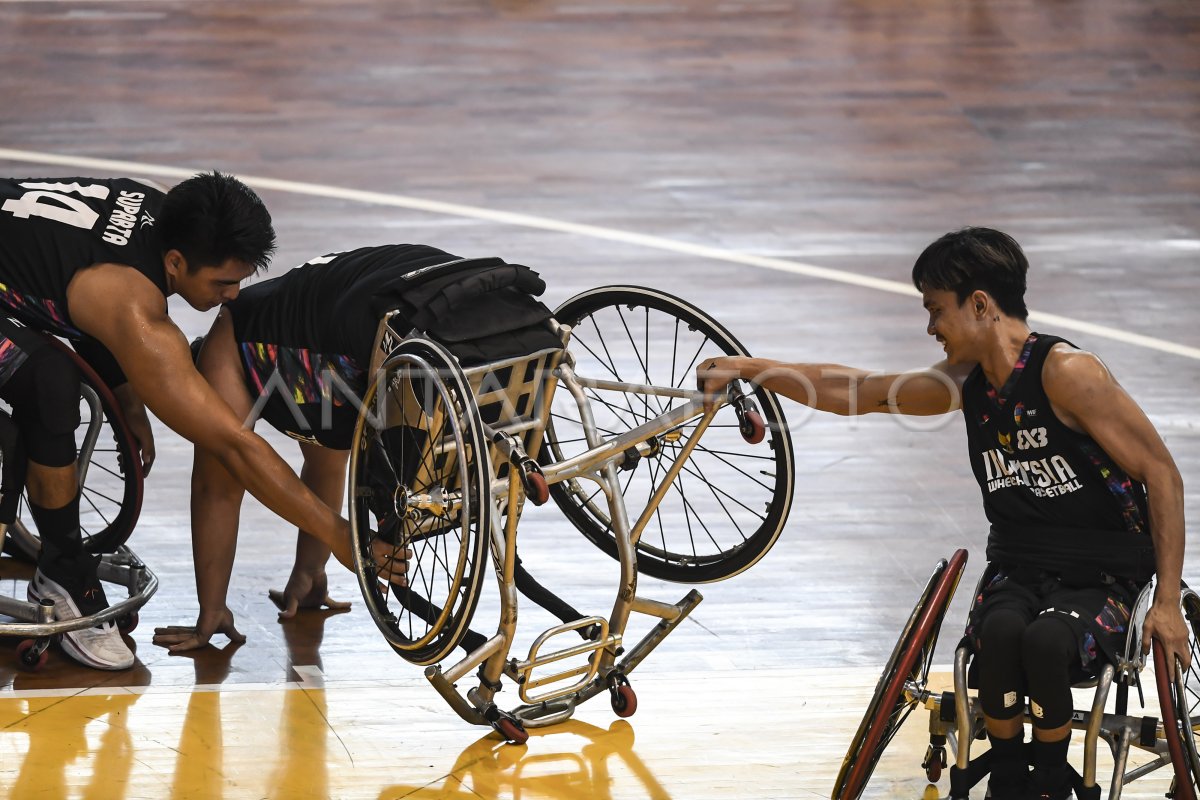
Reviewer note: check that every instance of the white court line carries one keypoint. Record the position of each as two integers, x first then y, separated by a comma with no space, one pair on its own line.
592,231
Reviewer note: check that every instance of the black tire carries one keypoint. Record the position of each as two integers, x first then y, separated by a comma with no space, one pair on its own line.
906,675
110,471
727,507
426,396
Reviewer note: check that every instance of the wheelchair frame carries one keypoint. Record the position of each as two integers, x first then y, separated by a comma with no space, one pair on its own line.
118,564
956,717
514,443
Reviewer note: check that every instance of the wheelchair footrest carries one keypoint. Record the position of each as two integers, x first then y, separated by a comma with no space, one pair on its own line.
522,671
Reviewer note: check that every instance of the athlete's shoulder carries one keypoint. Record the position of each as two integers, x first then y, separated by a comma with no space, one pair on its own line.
1069,371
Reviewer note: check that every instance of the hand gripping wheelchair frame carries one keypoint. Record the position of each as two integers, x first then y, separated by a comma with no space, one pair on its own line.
110,484
956,717
444,457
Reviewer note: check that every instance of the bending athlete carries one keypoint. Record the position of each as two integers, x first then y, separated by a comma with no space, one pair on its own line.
296,351
94,260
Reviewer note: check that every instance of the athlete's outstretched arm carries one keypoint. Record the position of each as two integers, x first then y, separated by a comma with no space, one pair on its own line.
1087,398
155,356
842,390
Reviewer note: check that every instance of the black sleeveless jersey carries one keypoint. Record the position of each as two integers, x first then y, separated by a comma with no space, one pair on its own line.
1034,471
50,228
329,308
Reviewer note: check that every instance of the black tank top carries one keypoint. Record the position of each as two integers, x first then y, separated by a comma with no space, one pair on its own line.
331,305
1036,474
50,228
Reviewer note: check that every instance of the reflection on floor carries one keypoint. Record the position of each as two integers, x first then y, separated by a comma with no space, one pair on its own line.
716,735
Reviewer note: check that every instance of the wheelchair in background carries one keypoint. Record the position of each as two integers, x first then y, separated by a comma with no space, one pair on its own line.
600,414
110,485
956,717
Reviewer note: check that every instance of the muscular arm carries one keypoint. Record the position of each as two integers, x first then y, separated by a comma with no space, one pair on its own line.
1086,397
155,357
843,390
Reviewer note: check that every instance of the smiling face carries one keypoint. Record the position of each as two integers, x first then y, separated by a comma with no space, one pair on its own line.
206,287
956,325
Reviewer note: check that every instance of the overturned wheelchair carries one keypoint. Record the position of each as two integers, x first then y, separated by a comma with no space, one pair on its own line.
451,442
110,489
956,717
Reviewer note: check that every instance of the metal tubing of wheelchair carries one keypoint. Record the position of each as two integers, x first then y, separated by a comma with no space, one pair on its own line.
544,713
651,640
655,608
567,375
83,458
1099,700
504,554
962,709
1120,756
627,589
35,627
638,388
455,700
473,659
668,480
20,609
1121,753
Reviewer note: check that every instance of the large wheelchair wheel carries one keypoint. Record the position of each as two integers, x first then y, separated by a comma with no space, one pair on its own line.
729,503
904,679
420,480
1179,701
110,473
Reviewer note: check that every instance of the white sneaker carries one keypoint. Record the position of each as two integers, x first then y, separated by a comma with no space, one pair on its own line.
100,646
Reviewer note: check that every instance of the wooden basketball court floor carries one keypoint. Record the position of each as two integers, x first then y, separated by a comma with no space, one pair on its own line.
779,163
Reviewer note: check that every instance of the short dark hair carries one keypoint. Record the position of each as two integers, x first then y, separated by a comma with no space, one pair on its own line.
976,258
211,218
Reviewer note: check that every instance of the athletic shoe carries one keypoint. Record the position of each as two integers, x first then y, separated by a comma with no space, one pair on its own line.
1054,784
1009,780
100,646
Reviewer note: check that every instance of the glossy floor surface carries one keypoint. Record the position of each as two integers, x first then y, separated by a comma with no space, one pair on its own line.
780,164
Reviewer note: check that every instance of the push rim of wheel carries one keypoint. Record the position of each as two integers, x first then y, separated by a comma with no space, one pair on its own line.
907,668
417,476
1189,688
1169,701
111,488
731,500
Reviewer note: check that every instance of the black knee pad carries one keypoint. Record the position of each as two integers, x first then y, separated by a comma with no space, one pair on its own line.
1001,680
1048,648
44,395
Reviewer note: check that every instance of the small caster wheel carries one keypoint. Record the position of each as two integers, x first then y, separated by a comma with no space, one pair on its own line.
624,700
126,623
934,763
752,427
536,488
512,730
31,656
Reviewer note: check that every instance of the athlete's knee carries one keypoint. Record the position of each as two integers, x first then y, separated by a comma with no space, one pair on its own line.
45,400
56,380
1000,633
1047,649
1048,644
1001,682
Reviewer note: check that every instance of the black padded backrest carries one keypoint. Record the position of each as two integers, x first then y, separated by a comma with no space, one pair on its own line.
481,309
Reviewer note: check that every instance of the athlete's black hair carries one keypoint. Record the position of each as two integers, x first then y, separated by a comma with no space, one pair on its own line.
211,218
976,258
